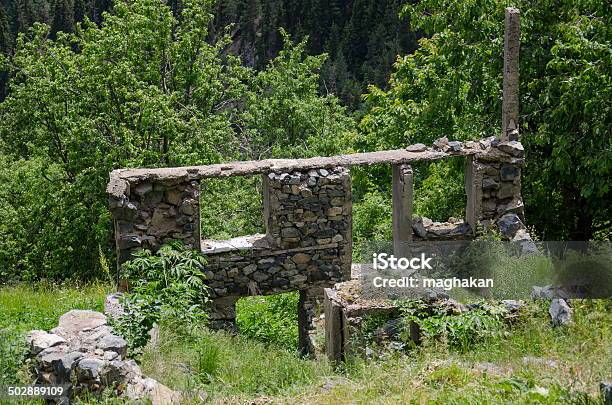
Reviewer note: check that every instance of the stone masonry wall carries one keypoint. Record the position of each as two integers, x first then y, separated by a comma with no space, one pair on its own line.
152,214
493,186
307,246
308,218
306,209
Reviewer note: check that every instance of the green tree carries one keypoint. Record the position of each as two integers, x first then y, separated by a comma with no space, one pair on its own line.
285,115
5,48
143,89
452,87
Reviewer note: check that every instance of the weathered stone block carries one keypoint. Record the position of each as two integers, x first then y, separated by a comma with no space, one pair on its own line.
509,172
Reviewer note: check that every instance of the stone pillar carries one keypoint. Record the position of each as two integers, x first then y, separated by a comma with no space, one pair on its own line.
334,341
473,192
493,183
310,210
402,209
223,313
510,108
306,307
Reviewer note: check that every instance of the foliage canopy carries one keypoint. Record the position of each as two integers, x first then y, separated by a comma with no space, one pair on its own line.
144,89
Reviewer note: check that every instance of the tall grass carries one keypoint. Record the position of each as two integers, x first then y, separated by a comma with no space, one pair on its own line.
38,306
226,368
272,319
225,365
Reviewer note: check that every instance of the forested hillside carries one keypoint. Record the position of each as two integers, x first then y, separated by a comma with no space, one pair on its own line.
158,85
91,86
362,37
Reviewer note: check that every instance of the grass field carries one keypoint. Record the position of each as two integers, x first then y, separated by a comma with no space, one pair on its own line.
529,363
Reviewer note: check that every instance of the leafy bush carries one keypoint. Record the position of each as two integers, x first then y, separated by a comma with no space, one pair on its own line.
460,331
271,319
167,284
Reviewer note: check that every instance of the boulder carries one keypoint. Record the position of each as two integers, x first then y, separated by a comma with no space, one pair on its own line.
509,225
441,144
77,320
60,361
512,148
86,353
113,343
158,393
560,312
455,146
88,369
525,242
417,147
549,292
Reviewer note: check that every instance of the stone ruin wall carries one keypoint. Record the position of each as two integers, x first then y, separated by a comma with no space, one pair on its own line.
307,245
151,213
307,213
493,186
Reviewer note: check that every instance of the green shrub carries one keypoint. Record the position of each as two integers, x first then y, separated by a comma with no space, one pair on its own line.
272,319
167,284
459,331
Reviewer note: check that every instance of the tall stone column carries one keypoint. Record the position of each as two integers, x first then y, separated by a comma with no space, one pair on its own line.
402,209
510,108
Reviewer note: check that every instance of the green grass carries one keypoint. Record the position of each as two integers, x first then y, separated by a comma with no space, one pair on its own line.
227,366
240,369
270,319
494,372
27,307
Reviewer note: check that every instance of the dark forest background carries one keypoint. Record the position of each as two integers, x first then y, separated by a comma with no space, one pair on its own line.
361,37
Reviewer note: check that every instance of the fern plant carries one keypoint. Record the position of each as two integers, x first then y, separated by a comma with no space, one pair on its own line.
168,284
